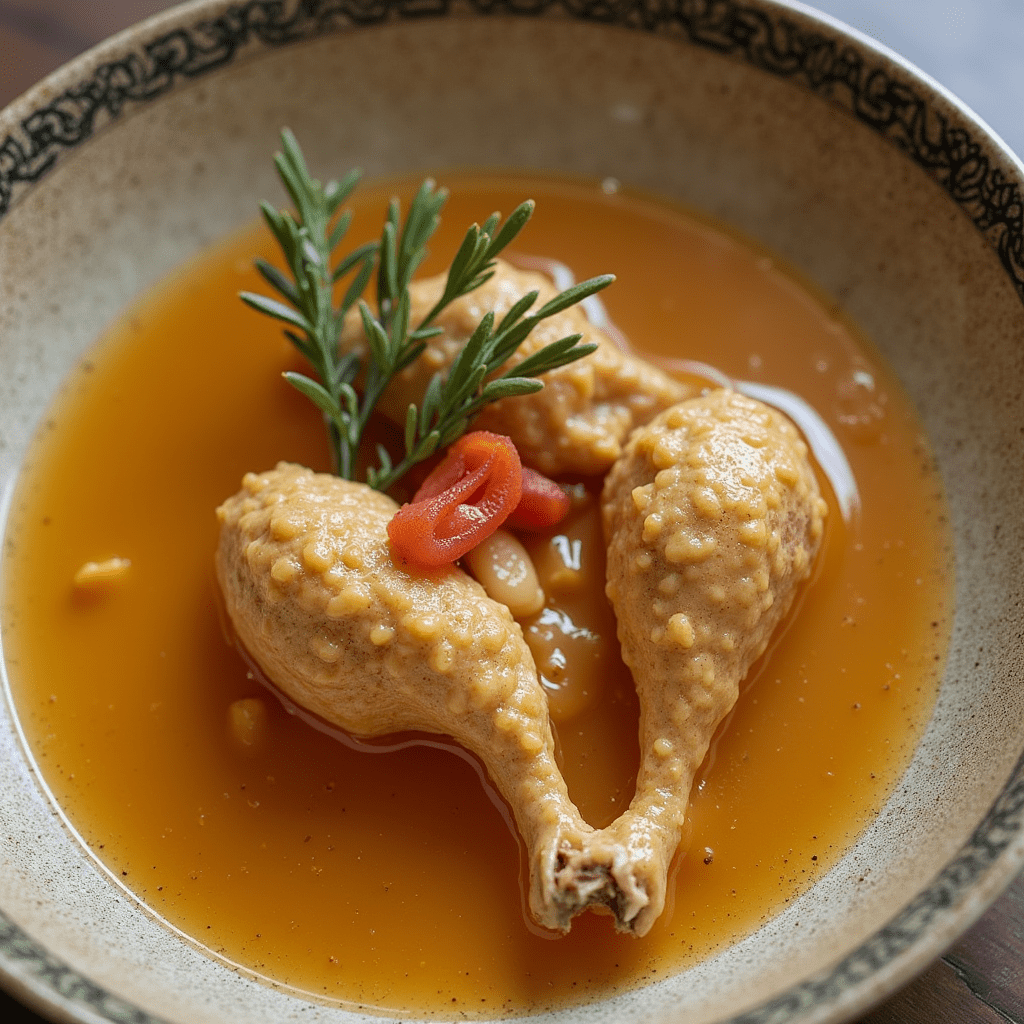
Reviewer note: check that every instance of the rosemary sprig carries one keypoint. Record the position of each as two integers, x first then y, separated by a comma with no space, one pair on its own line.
313,324
308,241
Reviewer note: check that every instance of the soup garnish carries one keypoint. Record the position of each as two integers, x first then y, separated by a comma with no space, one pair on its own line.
308,240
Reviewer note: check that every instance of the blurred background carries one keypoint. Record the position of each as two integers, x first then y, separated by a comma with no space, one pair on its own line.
975,49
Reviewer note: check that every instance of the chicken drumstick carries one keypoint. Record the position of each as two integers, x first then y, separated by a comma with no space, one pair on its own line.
712,517
314,596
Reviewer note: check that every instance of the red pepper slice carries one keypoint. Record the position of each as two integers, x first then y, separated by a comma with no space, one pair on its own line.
543,503
465,499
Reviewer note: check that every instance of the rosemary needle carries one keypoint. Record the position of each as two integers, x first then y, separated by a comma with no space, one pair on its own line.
308,239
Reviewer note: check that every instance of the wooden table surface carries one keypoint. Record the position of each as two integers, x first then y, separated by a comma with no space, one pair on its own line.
981,979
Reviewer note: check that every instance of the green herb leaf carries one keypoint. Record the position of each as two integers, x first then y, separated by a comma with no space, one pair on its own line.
278,310
510,387
315,392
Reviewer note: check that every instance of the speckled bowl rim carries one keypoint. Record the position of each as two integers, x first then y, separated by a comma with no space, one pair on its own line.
787,40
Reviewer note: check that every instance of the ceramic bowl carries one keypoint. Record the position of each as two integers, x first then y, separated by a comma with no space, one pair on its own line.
866,176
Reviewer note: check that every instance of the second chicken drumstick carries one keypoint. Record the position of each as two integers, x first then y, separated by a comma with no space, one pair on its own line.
713,518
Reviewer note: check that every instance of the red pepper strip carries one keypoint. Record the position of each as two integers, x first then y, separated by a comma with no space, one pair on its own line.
465,499
543,503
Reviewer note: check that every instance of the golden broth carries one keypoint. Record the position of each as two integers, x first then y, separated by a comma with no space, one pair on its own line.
390,880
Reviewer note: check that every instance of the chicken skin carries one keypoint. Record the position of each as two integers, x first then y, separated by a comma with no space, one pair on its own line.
580,420
712,518
318,601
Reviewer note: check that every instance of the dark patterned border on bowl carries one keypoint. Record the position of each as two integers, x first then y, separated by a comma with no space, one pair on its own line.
775,39
44,969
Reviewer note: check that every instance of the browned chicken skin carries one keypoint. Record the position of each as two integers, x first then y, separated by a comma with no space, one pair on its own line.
712,518
317,600
580,420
